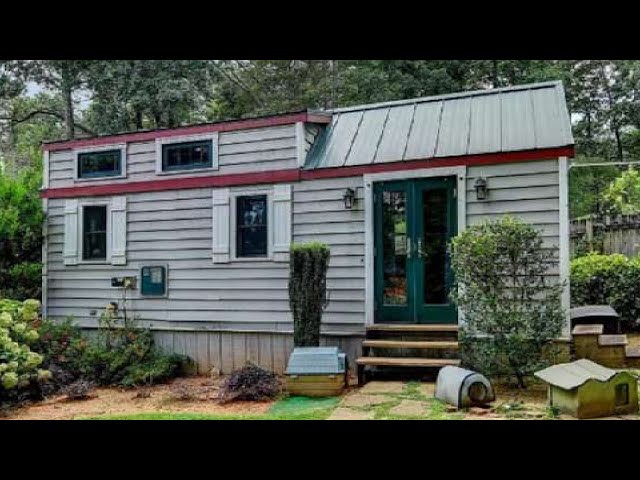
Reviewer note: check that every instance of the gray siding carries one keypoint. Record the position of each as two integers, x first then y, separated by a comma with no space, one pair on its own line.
243,151
174,228
527,190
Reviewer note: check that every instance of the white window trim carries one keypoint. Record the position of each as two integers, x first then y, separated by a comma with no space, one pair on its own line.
213,136
103,148
233,196
369,179
106,202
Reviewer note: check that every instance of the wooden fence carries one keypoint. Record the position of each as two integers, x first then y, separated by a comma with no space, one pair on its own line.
606,234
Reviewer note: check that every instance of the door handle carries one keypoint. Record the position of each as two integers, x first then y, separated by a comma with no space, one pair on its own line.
421,254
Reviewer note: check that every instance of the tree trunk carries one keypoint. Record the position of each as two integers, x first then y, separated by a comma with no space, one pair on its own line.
67,93
495,76
138,119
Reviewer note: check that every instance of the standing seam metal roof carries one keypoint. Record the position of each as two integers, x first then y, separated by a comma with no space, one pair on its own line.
498,120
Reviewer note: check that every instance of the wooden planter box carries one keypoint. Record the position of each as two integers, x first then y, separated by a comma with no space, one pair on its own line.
316,372
315,385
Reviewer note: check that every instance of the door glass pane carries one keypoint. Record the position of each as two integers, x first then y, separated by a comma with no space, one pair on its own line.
394,248
434,245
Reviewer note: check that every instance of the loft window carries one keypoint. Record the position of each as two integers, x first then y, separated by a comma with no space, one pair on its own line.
622,394
187,155
251,226
94,232
106,163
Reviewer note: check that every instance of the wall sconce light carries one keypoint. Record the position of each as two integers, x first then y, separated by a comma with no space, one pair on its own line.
481,188
349,198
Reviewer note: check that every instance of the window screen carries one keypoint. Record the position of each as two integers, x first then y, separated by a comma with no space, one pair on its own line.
154,281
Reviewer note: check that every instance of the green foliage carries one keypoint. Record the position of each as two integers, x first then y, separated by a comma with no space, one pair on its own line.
19,364
20,236
623,194
512,311
607,280
308,291
117,355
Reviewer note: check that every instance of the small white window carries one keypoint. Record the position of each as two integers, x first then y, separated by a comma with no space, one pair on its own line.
188,153
98,163
96,231
252,224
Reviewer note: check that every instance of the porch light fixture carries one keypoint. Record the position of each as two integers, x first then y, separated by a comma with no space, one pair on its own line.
481,188
349,198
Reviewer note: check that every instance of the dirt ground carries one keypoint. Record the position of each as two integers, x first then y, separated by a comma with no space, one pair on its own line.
188,394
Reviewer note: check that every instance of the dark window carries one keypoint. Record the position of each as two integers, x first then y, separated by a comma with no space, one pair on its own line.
107,163
187,155
622,394
94,233
251,226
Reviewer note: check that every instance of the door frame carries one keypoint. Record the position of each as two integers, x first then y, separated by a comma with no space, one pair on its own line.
460,172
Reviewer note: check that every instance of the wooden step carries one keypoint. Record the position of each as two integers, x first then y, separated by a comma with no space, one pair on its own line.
612,340
388,327
632,352
410,344
407,362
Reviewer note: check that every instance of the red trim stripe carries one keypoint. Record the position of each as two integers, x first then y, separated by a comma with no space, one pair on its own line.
192,130
294,174
482,159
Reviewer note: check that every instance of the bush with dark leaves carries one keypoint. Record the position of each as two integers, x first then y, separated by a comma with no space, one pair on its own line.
78,390
250,383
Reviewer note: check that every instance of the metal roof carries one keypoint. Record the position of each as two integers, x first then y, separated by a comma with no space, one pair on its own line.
523,117
572,375
587,311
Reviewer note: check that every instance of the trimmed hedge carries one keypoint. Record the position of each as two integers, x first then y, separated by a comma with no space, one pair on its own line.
608,280
308,291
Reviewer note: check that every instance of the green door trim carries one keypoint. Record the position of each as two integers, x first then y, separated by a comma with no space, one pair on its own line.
415,310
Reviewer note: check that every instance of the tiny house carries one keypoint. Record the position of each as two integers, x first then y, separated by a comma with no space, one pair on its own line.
199,219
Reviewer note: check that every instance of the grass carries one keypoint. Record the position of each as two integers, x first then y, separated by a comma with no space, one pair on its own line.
288,408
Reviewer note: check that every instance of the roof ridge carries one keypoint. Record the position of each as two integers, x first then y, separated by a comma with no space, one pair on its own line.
448,96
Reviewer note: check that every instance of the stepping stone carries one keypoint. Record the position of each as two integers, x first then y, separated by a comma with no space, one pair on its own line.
360,400
410,408
428,389
343,413
376,388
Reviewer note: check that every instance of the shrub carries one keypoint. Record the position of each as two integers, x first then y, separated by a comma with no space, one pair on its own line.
250,383
607,280
78,390
117,355
20,235
512,312
308,291
19,365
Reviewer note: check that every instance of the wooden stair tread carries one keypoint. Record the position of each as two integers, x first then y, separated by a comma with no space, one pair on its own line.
632,352
409,344
386,327
612,340
407,361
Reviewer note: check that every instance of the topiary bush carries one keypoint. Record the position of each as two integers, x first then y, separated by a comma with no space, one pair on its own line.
19,365
512,312
250,383
308,291
614,280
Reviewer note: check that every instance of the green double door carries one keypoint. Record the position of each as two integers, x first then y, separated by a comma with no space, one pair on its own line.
414,221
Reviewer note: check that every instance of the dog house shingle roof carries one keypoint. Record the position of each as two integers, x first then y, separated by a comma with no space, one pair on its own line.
572,375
